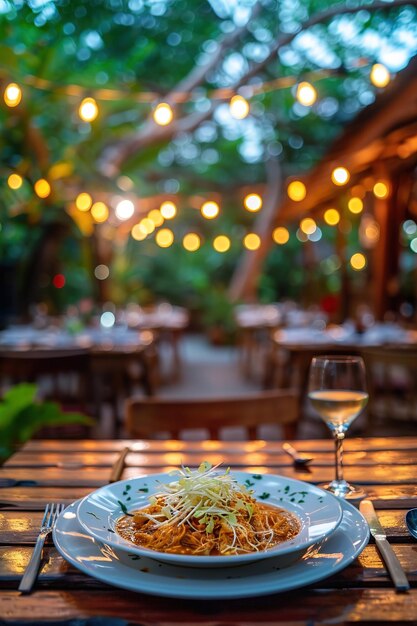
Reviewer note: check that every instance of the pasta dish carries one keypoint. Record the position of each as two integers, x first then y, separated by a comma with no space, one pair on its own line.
207,513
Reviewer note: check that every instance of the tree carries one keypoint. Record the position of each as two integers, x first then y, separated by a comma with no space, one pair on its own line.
130,55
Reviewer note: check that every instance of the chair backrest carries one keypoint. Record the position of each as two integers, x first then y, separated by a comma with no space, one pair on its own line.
145,417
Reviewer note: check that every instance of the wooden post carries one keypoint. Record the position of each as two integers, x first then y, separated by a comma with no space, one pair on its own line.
389,213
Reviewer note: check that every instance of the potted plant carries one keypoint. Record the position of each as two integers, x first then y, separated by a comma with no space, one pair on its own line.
22,415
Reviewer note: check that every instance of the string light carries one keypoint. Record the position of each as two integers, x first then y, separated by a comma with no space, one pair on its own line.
164,238
306,94
379,76
12,95
88,110
83,201
332,217
358,261
156,217
280,235
253,202
124,210
42,188
380,190
15,181
147,225
138,232
168,210
221,243
239,107
340,176
99,212
252,241
308,225
163,114
355,205
296,191
210,210
191,242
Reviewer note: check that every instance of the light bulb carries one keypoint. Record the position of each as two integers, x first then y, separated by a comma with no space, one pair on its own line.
163,114
306,94
12,95
88,110
239,107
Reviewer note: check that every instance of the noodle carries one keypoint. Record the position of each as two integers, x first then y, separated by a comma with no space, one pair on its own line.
204,514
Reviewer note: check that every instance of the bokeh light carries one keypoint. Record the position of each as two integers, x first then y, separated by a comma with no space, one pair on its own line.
163,114
239,107
100,212
296,191
83,201
340,176
355,205
253,202
191,242
308,225
156,217
164,238
210,210
107,319
139,232
221,243
88,110
168,210
381,190
101,272
124,209
42,188
58,281
331,217
148,225
252,241
12,95
306,94
15,181
358,261
281,235
379,76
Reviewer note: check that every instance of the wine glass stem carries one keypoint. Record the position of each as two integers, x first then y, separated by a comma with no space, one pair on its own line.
338,440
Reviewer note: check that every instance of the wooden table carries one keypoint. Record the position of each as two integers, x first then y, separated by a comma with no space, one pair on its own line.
67,470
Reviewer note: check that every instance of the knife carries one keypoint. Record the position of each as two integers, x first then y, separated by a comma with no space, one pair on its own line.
387,553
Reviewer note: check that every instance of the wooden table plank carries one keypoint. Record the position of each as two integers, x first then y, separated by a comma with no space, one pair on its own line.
377,606
89,476
273,458
97,445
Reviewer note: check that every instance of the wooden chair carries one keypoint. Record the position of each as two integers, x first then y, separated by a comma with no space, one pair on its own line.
392,384
145,417
62,374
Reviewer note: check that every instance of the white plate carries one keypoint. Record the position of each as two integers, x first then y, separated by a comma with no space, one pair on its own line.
145,575
319,511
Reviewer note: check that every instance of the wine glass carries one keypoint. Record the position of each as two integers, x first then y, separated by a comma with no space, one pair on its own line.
337,391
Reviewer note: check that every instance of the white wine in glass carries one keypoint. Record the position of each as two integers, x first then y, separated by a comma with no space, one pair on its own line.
337,391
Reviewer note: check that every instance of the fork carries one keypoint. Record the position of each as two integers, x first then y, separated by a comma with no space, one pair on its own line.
52,510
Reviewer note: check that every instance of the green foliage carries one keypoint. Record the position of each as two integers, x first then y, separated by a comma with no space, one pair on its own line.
141,46
21,416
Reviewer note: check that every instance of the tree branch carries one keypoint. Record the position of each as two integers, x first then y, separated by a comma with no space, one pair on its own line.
150,133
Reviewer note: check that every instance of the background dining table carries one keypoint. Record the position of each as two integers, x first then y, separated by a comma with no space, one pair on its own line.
64,471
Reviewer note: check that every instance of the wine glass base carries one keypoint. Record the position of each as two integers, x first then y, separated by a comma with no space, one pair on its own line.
343,489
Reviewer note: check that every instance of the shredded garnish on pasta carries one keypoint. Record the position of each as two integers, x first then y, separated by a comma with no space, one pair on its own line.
205,512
